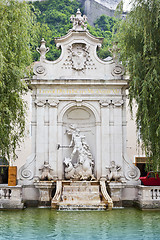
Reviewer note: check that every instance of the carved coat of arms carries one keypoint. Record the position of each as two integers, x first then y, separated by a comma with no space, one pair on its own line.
78,55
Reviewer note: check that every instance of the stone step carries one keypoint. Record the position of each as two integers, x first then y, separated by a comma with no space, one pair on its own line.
80,195
80,198
81,207
82,183
86,189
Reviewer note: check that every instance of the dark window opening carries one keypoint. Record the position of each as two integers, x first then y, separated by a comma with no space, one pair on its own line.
141,164
142,168
3,175
3,171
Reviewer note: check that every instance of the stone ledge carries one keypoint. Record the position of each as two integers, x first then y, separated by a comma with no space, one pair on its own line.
9,204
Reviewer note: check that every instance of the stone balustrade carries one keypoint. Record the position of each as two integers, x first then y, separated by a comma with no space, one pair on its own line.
11,197
5,193
149,197
155,193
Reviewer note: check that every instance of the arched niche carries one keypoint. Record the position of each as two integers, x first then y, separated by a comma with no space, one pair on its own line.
84,119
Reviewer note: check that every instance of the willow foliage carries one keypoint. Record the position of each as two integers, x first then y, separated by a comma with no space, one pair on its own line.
16,28
139,40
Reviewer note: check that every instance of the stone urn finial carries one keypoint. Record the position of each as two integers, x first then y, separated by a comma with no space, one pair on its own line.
79,22
42,49
115,52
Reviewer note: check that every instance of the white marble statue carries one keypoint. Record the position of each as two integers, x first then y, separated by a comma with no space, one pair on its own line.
79,22
113,172
46,175
83,169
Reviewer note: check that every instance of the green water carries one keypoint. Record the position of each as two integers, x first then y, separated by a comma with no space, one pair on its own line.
79,225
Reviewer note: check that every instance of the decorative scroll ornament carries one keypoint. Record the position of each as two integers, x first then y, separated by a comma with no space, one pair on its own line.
40,103
27,170
53,103
131,171
131,174
42,49
107,103
26,173
79,22
118,103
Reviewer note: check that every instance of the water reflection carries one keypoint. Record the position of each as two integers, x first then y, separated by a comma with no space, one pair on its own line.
126,224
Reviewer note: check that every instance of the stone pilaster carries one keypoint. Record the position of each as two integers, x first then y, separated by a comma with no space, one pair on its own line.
40,135
105,130
53,137
118,138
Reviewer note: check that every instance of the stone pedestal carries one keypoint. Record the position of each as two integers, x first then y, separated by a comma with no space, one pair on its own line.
45,191
115,189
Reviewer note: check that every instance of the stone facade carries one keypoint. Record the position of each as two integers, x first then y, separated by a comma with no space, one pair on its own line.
82,90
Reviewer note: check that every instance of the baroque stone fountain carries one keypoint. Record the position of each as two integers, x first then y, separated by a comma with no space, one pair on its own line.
78,127
82,191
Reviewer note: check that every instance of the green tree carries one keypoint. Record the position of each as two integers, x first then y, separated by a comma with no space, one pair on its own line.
139,40
53,18
106,23
54,21
16,29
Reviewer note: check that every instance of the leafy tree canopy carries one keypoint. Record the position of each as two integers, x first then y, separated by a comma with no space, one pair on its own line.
17,26
54,21
140,51
53,18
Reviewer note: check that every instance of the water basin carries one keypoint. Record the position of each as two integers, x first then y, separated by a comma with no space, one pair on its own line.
44,224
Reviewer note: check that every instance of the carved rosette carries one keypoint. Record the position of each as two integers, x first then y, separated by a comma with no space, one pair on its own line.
39,69
118,70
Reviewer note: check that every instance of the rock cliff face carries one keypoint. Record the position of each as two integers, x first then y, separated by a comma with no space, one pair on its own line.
95,8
